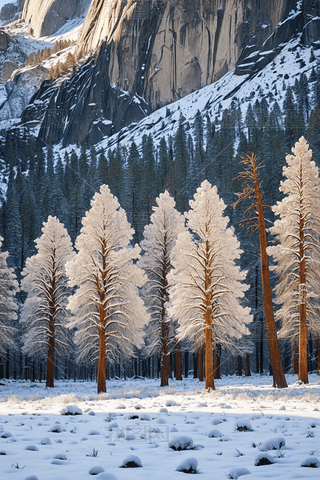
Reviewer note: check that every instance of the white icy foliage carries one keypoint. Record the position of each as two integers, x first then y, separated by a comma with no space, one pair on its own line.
160,236
45,279
8,304
211,249
302,201
107,281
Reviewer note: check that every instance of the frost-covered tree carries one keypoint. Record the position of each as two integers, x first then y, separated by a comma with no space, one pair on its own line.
44,313
159,238
8,304
206,282
297,254
108,313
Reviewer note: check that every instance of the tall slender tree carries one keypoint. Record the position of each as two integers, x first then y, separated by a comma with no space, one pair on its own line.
8,303
297,254
108,313
206,283
44,312
252,192
159,239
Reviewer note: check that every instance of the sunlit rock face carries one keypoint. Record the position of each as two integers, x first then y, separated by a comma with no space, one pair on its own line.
45,17
154,52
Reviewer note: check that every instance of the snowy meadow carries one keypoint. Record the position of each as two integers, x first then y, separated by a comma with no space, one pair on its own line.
244,427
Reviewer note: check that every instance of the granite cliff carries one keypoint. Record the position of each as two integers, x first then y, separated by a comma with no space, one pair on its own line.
153,52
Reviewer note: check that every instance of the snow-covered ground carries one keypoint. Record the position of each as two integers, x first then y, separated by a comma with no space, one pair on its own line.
137,417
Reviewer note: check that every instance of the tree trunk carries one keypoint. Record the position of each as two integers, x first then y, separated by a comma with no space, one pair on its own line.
50,357
200,363
275,357
186,364
295,357
178,362
217,361
101,374
195,365
239,370
318,353
303,327
247,365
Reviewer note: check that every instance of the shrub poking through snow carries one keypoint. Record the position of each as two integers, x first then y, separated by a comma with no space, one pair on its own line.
311,462
238,472
181,443
272,444
243,425
56,428
214,434
188,465
71,410
96,470
131,461
264,458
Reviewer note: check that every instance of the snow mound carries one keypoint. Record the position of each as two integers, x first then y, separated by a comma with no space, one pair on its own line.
71,410
94,432
181,443
45,441
218,420
6,434
32,477
214,434
60,456
311,462
32,448
145,417
96,470
188,465
238,472
243,425
264,459
272,444
56,428
131,461
172,403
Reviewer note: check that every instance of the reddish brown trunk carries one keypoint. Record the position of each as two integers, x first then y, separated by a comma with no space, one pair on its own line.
295,357
208,329
247,366
275,357
52,314
178,362
50,358
200,363
165,360
101,374
303,327
217,361
239,370
318,353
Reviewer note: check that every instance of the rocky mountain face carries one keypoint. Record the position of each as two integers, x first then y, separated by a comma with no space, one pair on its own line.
45,17
157,51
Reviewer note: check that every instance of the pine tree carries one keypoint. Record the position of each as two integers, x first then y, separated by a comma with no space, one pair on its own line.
206,282
159,239
44,312
8,303
251,191
298,253
108,313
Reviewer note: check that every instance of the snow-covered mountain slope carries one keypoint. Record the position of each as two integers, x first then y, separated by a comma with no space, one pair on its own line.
97,103
269,83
